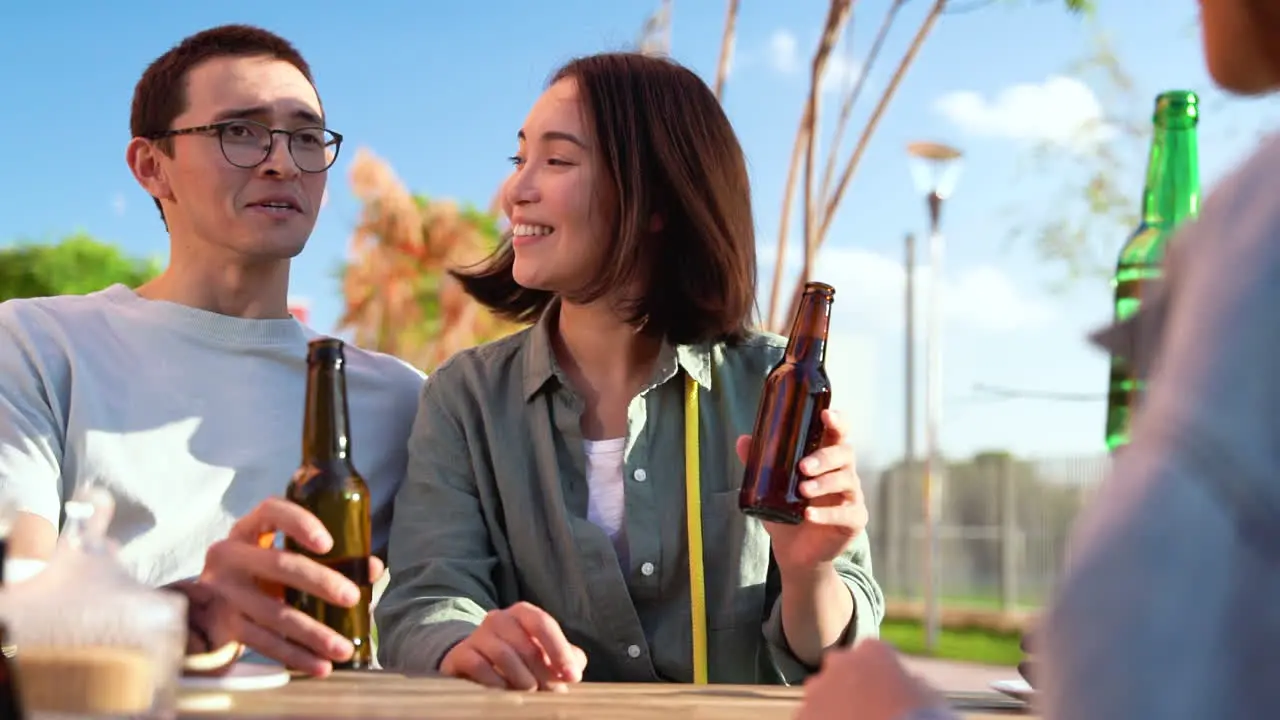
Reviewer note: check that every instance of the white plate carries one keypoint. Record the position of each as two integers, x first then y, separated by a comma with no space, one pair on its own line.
1015,688
242,676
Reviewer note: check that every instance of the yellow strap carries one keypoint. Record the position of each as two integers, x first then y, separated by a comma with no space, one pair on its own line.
693,514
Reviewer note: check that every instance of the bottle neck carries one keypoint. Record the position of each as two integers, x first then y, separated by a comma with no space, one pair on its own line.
325,432
807,343
1172,191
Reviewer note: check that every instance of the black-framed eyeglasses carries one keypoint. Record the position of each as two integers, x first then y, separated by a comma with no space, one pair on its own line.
247,144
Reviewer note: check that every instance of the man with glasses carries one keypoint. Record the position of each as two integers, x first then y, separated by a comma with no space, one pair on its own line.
184,397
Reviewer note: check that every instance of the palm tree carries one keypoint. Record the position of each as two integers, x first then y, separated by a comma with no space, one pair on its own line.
399,297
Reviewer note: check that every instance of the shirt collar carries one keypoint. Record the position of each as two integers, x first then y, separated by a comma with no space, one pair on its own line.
540,364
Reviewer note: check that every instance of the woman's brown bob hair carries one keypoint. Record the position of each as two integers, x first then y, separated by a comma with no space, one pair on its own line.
672,154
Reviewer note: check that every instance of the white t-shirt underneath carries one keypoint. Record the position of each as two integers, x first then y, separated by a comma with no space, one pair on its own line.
606,498
190,418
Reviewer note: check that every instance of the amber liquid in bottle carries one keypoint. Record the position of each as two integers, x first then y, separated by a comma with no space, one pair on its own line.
328,485
789,419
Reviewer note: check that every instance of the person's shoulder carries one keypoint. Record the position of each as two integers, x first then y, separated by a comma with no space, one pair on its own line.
58,310
1241,215
483,376
755,354
485,362
49,326
383,367
1246,184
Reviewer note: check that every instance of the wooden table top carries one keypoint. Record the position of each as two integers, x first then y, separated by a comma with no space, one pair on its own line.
389,695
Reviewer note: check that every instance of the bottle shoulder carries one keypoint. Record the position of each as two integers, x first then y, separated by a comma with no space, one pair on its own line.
312,478
1146,246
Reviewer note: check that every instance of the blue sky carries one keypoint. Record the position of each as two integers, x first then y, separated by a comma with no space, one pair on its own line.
439,91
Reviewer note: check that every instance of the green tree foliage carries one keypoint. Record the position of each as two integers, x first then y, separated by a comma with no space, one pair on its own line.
76,265
1078,226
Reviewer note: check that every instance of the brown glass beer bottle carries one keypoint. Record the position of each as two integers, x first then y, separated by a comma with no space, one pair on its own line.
789,419
328,485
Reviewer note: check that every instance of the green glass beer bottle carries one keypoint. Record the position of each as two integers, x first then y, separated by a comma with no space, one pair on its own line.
1171,195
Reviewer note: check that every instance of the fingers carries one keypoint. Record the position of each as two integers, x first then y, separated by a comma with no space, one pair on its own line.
280,515
288,622
213,625
215,622
535,638
284,568
835,429
251,575
511,662
464,661
852,517
829,458
282,651
835,453
561,657
743,446
842,485
521,647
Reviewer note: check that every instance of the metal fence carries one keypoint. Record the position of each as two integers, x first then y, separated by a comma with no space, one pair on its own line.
1002,533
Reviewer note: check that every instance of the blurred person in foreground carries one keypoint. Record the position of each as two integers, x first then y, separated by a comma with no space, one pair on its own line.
539,537
1170,606
184,398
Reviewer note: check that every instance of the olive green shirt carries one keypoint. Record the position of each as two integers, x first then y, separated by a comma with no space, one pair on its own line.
493,511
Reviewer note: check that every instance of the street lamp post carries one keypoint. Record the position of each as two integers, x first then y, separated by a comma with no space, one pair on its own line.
934,168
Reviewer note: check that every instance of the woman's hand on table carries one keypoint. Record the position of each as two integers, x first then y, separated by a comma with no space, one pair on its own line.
868,682
519,648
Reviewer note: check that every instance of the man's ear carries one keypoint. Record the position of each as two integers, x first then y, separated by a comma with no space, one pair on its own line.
148,167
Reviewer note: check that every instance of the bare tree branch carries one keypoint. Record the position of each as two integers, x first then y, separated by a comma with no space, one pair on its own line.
726,48
833,203
837,18
853,92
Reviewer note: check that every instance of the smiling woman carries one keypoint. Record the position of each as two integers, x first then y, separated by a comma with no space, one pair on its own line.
628,175
539,537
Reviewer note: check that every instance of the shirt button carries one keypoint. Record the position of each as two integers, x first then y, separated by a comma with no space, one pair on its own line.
640,475
646,569
634,651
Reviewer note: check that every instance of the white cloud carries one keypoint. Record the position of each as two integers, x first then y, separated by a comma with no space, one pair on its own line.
119,204
1060,110
784,56
870,293
841,72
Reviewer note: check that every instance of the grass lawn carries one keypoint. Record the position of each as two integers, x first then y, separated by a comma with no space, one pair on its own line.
967,644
